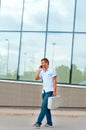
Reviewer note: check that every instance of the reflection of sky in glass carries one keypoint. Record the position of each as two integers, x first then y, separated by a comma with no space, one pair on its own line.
13,39
32,51
10,14
35,15
62,49
80,51
81,16
61,15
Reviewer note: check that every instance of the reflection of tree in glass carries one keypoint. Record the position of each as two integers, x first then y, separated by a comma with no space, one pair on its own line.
76,75
3,65
63,74
84,75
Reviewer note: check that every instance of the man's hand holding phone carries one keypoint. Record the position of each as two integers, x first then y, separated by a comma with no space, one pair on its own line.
41,66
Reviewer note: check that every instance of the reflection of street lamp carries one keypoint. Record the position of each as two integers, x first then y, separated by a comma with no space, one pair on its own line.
25,54
53,53
7,54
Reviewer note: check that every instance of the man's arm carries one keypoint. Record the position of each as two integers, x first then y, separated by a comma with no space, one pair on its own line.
38,73
54,84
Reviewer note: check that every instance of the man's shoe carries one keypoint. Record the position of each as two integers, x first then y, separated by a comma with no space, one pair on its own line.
36,125
49,126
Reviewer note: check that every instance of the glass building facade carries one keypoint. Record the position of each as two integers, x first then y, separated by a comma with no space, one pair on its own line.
33,29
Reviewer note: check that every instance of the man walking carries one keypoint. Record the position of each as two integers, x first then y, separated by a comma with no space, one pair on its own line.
48,76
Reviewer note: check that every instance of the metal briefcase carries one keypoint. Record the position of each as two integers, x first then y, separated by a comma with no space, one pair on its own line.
54,102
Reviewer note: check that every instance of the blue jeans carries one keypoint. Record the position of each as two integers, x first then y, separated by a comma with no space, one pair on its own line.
44,109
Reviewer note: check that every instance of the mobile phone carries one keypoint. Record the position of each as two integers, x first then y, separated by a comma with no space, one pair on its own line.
40,66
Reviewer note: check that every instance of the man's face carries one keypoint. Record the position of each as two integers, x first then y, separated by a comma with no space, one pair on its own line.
44,64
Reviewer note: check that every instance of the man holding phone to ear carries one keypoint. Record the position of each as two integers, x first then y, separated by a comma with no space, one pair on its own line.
48,76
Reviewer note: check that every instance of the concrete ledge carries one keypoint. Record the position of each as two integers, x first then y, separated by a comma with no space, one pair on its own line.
14,93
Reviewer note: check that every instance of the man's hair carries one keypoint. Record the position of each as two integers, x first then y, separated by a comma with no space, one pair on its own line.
46,60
